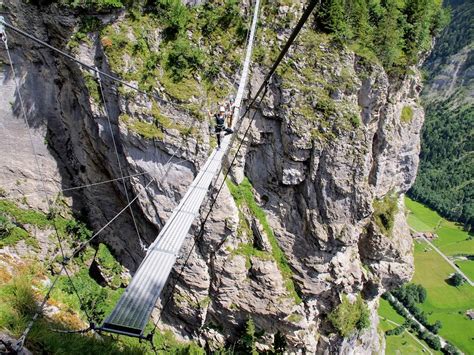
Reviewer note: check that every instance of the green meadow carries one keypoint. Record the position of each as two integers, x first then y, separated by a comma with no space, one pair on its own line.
452,240
444,302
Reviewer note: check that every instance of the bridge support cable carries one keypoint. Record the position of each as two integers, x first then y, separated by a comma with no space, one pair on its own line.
87,242
132,312
92,68
102,94
24,335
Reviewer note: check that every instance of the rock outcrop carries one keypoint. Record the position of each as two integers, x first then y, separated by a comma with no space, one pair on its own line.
326,143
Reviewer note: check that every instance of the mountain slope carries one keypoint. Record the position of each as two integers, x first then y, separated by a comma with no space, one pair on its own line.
445,178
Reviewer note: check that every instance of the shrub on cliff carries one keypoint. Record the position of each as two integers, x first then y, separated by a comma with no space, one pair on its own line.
347,317
385,210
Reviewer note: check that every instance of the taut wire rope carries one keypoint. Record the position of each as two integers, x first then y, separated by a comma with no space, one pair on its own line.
102,94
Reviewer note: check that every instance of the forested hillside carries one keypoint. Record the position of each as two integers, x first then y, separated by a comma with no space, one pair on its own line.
445,177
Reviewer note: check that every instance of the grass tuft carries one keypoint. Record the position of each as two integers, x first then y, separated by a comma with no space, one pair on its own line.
243,195
407,114
384,213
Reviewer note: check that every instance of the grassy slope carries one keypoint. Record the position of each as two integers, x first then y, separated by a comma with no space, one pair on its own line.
444,302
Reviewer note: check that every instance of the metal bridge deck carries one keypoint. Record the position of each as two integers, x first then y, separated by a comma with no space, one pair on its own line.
133,310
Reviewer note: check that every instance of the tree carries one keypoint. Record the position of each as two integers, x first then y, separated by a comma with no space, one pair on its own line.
456,280
389,38
174,16
248,340
360,21
332,17
279,343
421,293
435,327
450,349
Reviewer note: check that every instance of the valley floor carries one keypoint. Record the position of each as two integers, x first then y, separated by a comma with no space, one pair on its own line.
444,302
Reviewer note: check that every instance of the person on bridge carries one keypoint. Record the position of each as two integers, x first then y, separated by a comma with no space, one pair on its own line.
220,126
230,107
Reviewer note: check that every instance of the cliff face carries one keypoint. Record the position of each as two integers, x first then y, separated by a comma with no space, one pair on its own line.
328,160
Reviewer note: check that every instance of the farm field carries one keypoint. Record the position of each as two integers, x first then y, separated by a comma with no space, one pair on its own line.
444,302
397,344
452,240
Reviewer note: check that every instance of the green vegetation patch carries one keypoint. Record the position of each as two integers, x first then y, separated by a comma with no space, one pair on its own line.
25,216
92,86
19,302
93,4
407,114
396,33
109,265
182,90
10,234
385,210
451,238
399,344
386,311
445,303
347,317
243,194
147,130
466,266
421,218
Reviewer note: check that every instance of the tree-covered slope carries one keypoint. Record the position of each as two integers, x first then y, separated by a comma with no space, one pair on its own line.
445,177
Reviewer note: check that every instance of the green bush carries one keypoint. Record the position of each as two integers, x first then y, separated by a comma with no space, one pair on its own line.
395,331
92,4
183,58
78,230
21,297
347,317
456,279
174,16
384,213
407,114
6,226
246,344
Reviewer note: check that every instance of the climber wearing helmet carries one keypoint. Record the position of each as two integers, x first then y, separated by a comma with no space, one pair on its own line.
229,106
220,124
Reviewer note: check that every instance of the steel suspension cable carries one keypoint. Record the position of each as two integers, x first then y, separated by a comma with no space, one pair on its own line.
90,67
93,68
22,339
84,244
245,46
98,183
102,93
201,230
